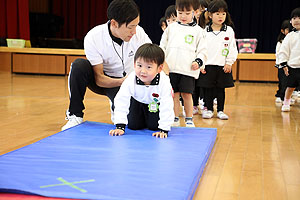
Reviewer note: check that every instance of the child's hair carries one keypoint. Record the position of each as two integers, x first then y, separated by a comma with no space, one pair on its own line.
204,4
150,53
220,5
285,24
187,4
295,13
162,20
170,11
123,11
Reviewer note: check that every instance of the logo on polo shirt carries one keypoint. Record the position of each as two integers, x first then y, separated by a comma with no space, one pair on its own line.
130,54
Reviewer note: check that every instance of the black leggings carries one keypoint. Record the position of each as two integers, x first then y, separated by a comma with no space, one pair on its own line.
281,84
82,76
210,94
198,93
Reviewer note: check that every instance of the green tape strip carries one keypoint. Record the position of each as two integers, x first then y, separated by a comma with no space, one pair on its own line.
71,184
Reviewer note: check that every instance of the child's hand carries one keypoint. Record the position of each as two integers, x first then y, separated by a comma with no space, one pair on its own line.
286,70
160,134
116,132
227,68
202,69
195,66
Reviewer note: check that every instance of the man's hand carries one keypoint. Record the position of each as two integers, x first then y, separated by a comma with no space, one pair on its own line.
105,81
160,134
116,132
227,68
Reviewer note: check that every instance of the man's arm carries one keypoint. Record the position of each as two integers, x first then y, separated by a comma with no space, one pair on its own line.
105,81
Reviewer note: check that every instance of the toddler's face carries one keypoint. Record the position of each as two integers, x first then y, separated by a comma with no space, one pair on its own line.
218,18
199,11
163,26
296,22
285,31
185,16
146,71
172,19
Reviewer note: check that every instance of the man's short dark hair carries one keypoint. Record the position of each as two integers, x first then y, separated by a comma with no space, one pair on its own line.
150,53
123,11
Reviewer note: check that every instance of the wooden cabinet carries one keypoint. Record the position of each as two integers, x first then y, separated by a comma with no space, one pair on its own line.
38,60
257,67
257,70
42,64
248,67
234,70
5,64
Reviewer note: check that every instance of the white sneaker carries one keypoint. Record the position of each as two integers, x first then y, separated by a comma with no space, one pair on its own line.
278,100
195,110
207,114
285,108
222,115
201,107
176,123
201,102
72,121
189,123
293,101
215,101
295,94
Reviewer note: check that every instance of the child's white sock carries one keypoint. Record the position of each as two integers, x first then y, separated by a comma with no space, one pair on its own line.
286,101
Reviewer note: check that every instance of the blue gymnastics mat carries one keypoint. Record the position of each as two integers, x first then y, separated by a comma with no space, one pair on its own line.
84,162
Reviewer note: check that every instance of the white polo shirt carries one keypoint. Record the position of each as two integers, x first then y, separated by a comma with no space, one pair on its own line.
101,49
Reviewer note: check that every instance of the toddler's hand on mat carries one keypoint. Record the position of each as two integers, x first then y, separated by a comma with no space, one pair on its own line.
160,134
116,132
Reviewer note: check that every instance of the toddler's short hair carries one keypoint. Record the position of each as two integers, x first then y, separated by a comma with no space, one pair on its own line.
150,53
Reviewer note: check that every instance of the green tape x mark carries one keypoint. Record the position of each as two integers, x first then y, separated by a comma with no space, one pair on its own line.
71,184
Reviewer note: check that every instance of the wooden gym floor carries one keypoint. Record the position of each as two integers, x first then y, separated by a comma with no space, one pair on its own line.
256,155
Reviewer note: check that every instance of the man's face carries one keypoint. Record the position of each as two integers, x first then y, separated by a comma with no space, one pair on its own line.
126,32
